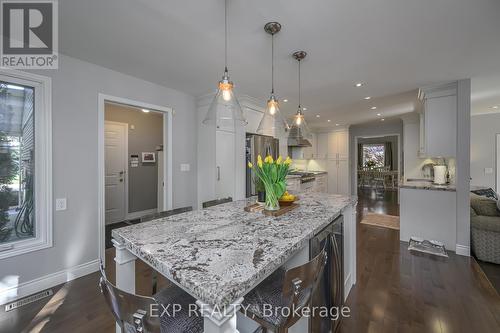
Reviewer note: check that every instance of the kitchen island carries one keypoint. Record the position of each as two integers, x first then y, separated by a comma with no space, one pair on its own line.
219,254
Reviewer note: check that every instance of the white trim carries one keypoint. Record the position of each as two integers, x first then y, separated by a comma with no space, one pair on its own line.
125,165
462,250
24,289
43,162
167,145
136,215
355,166
348,284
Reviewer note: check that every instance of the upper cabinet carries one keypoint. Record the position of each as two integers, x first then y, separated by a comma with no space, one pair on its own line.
438,121
322,145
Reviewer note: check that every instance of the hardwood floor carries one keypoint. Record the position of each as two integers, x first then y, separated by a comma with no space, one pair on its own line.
396,291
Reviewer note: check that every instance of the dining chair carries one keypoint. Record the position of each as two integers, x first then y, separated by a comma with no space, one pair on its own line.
216,202
379,178
134,313
291,289
159,215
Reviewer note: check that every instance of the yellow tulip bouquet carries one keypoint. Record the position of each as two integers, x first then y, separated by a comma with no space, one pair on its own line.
272,174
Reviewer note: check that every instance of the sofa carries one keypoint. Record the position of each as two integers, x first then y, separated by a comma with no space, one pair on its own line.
485,228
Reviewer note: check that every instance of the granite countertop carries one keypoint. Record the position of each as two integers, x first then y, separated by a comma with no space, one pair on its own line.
318,172
220,253
424,185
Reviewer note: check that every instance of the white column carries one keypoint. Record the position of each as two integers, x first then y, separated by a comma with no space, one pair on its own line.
125,270
220,320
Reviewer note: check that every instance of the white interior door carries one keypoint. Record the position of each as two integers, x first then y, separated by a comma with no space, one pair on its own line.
115,136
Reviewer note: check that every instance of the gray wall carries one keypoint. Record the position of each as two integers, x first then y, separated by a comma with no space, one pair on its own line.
379,128
75,88
484,129
145,137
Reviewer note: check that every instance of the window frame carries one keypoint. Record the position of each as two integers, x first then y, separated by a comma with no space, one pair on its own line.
363,145
43,163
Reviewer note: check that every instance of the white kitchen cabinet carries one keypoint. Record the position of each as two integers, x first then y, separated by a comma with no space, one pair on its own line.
338,145
224,159
438,121
253,118
322,145
338,176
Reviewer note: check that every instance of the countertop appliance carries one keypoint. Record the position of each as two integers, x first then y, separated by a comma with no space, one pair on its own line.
258,145
440,172
330,290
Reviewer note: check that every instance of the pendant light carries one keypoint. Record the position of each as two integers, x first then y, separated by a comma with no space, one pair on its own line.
225,110
299,129
272,123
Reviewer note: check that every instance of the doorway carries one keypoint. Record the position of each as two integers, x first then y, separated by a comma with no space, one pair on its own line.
135,163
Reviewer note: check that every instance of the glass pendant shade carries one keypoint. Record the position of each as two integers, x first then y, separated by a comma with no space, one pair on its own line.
225,110
272,122
299,128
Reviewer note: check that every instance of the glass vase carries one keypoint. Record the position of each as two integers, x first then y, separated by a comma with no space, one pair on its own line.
272,202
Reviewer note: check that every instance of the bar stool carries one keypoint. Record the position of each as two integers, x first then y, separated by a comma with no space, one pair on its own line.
292,288
132,312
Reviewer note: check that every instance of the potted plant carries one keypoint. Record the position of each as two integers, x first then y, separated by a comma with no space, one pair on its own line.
370,164
272,174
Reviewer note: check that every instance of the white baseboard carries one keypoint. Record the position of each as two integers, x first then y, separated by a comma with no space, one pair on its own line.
14,292
462,250
136,215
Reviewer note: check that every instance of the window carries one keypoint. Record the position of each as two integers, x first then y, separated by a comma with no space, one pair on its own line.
374,155
25,163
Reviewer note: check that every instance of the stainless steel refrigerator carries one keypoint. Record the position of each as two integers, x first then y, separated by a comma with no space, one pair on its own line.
258,145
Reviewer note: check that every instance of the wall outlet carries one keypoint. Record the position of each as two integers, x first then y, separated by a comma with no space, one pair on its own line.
60,204
488,171
185,167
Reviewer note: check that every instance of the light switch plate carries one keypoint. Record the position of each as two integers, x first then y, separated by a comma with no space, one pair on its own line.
185,167
488,171
60,204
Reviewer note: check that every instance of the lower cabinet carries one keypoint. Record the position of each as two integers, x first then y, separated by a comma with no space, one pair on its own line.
321,183
338,176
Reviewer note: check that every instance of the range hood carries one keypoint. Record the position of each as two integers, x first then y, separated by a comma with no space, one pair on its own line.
295,139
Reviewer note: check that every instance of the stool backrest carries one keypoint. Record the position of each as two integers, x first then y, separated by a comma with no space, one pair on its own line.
216,202
301,281
165,213
131,312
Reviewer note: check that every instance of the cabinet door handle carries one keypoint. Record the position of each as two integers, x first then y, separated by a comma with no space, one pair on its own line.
218,172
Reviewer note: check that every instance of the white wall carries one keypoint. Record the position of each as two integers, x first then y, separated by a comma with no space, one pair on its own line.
484,129
75,88
412,163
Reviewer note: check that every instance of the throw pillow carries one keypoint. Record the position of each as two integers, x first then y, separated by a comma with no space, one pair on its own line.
487,192
484,206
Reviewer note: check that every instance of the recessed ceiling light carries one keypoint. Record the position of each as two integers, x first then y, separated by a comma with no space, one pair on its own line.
379,114
285,100
359,84
495,107
317,116
382,119
374,108
328,120
367,97
145,110
305,109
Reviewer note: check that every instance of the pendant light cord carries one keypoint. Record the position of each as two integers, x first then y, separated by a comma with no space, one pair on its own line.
225,36
272,64
300,109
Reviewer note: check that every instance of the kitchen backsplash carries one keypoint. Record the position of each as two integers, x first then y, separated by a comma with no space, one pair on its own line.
309,165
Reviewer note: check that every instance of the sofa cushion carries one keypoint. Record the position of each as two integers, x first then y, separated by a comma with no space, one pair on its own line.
486,223
483,206
486,192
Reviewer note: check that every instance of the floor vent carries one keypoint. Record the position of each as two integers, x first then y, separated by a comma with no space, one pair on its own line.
28,300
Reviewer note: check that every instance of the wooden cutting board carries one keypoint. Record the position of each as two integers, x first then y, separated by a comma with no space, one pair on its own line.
257,208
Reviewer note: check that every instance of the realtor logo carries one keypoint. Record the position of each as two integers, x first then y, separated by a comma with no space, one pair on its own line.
29,36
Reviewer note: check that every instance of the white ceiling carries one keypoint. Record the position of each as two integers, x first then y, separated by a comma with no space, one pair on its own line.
395,46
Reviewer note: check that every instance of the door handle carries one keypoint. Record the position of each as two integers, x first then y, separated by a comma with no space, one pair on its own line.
218,172
122,172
